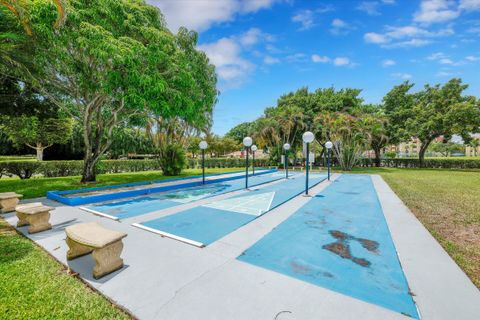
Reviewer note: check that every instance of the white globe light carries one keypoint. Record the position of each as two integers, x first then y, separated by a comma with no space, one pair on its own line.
247,141
329,144
286,146
308,137
254,148
203,145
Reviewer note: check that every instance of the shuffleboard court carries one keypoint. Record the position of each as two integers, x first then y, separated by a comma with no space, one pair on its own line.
203,225
339,240
157,201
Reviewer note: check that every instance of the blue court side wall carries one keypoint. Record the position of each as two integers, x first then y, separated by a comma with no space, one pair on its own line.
78,200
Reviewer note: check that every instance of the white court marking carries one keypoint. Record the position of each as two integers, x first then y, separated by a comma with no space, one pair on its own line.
253,205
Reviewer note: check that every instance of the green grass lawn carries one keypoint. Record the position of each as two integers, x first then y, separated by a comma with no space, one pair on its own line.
33,285
38,187
447,202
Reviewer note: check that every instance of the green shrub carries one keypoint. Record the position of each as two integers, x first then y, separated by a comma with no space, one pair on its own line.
172,159
22,169
391,154
440,163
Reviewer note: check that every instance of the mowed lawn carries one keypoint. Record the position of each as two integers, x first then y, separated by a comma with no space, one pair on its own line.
447,202
33,285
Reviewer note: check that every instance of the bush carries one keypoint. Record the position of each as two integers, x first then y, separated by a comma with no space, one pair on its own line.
440,163
22,169
172,159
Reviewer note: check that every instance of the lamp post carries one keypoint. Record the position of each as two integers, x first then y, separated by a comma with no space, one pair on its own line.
203,145
308,138
329,146
254,148
247,142
286,147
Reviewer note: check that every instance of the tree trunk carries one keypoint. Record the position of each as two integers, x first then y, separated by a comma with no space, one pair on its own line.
39,153
89,173
377,157
423,149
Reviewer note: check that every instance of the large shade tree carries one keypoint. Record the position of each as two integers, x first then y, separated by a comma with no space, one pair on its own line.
115,59
436,111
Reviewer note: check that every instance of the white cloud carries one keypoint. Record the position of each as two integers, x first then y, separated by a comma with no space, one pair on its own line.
200,15
319,59
341,61
472,58
405,36
403,76
297,57
338,61
436,11
409,43
470,5
226,54
388,1
388,63
444,74
253,36
436,56
306,18
373,37
270,60
340,27
369,7
442,58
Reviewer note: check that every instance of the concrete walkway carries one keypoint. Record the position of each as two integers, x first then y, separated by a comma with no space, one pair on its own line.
167,279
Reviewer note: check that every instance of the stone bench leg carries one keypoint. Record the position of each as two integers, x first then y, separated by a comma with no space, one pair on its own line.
107,259
8,205
39,222
76,249
22,219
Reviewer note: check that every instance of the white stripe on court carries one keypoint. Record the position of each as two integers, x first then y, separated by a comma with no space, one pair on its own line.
253,205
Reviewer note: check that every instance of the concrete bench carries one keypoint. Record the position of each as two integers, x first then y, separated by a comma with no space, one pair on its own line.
106,245
8,201
35,215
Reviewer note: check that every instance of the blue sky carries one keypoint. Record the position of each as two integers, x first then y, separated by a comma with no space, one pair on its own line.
265,48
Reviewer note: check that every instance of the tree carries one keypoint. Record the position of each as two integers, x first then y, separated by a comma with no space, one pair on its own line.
442,111
447,148
398,107
433,112
375,126
113,60
36,133
239,131
348,136
30,119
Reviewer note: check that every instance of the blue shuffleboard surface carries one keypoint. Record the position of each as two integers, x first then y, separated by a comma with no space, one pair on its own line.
157,201
339,240
205,224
